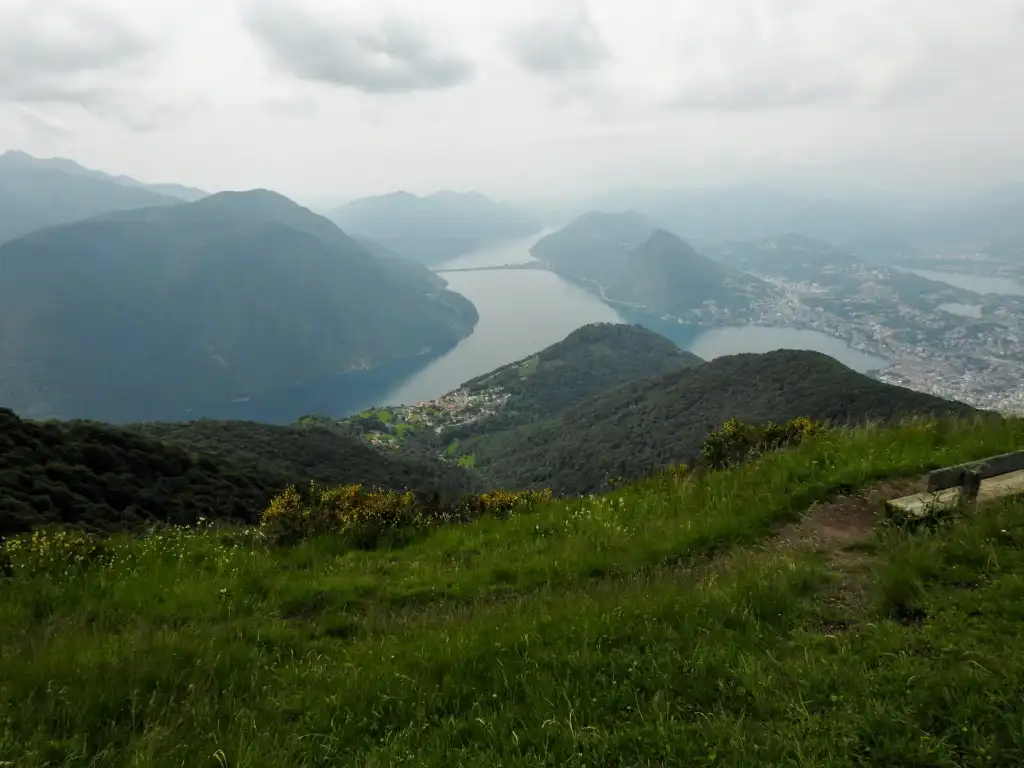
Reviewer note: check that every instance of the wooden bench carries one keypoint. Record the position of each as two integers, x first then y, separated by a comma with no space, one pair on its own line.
993,478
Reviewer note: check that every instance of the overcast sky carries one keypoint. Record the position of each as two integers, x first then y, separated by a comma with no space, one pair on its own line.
332,99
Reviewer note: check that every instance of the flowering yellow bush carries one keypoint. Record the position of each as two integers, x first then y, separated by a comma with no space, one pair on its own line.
738,441
355,509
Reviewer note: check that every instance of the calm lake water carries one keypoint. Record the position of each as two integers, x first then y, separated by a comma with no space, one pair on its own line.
1002,286
711,342
523,311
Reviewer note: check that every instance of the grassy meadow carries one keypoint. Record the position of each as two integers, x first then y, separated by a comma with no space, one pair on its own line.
665,623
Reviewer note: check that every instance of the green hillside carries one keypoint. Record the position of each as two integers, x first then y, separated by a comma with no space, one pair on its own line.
434,228
592,359
760,616
650,424
304,453
175,312
99,477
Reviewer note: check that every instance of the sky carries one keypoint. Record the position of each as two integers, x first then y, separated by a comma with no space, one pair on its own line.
327,100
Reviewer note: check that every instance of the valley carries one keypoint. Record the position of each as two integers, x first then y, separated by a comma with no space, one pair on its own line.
523,385
502,449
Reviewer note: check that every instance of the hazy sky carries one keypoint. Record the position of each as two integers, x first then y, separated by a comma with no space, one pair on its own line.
330,99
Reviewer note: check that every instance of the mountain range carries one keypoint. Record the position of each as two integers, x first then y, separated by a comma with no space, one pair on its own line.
616,400
37,193
641,427
174,311
434,228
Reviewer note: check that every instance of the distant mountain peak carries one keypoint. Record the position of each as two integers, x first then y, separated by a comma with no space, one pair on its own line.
19,160
434,228
258,196
665,244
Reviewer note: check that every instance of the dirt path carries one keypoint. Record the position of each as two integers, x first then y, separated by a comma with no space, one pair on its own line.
844,522
842,530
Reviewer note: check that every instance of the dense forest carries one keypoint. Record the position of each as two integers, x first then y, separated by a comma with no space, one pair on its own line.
159,313
644,426
590,360
98,477
103,478
305,452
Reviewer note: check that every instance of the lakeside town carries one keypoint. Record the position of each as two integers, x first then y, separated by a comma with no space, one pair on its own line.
927,335
388,426
971,349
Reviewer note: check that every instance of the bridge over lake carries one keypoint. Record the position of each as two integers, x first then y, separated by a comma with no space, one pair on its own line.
525,265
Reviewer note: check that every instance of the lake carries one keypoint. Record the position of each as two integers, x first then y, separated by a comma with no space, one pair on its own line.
709,342
1002,286
523,311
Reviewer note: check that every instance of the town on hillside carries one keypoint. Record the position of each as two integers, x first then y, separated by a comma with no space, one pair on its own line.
389,426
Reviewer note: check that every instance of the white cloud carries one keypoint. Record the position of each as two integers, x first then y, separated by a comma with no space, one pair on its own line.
391,56
321,98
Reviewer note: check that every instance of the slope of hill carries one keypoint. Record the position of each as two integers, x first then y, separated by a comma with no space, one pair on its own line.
648,425
99,477
18,159
594,246
415,272
36,194
590,360
742,618
627,261
305,453
96,476
159,313
434,228
666,276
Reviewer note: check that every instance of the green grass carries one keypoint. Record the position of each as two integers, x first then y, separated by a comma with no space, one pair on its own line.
591,632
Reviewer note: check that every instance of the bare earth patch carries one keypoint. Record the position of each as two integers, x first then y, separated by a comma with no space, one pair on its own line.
844,522
842,529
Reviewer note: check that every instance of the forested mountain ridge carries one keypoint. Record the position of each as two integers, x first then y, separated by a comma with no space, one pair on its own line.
434,228
594,246
100,477
23,160
309,453
592,359
159,313
627,260
666,275
644,426
35,194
